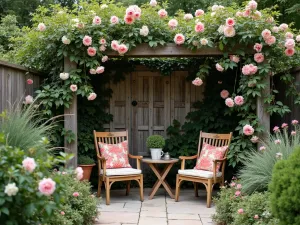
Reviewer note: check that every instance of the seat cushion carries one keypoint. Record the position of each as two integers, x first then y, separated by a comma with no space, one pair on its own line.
121,171
116,155
199,173
209,153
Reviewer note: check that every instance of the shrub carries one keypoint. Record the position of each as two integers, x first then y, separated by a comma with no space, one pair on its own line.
257,171
85,160
285,189
155,141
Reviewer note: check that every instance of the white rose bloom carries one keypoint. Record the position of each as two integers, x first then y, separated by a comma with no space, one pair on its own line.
213,14
221,29
64,76
11,189
75,20
104,6
214,8
144,31
153,3
65,40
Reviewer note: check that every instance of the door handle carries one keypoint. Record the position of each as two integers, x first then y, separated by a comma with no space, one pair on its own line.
134,103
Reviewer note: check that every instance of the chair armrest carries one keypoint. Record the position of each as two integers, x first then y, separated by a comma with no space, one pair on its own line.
102,164
138,160
183,158
102,159
216,161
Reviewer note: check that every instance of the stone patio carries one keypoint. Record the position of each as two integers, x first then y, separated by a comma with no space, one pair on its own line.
161,210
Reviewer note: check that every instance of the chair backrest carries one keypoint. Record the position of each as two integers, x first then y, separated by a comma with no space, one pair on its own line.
217,140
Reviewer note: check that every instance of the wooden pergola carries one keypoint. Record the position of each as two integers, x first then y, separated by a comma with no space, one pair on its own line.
145,51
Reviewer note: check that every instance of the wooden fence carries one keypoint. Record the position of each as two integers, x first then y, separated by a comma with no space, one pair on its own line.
13,85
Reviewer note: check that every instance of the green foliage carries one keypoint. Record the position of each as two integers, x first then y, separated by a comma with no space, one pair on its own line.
155,141
284,188
85,160
257,171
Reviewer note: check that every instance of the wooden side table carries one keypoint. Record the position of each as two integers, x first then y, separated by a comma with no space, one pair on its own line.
161,175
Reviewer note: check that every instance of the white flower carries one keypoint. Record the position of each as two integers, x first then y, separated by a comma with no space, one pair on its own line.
204,41
214,8
65,40
75,20
221,29
11,189
28,100
144,31
153,3
64,76
104,6
188,16
278,155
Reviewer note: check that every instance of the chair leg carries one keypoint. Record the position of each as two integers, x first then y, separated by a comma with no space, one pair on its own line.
196,189
177,188
99,186
107,186
128,187
209,192
141,183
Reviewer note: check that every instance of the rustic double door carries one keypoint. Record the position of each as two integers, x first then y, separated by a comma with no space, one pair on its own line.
146,103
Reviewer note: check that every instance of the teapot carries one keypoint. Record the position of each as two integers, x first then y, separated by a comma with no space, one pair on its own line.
167,156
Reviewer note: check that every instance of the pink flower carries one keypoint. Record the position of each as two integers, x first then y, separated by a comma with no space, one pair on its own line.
240,211
179,39
122,49
197,82
270,20
199,27
238,186
62,213
29,164
41,27
288,35
199,12
114,20
232,184
97,20
229,102
224,94
114,45
239,100
248,130
162,13
295,122
100,69
28,99
262,148
104,58
73,87
256,217
289,52
137,15
234,58
153,3
266,33
102,41
293,133
283,27
289,43
80,25
87,40
76,194
253,69
79,173
29,81
188,16
102,48
252,5
298,38
254,139
92,96
91,51
47,186
259,57
92,71
257,15
275,29
246,13
271,40
277,141
237,193
284,125
229,31
219,67
276,129
173,23
239,14
257,47
130,11
249,69
65,40
230,22
129,19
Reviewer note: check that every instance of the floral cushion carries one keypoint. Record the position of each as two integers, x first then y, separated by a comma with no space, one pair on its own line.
116,155
208,154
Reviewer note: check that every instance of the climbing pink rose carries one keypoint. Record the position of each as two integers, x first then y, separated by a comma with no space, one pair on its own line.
102,41
283,27
179,39
173,23
284,125
248,130
253,69
257,47
197,82
232,184
92,96
239,14
275,29
219,67
199,12
102,48
129,19
162,13
130,11
254,139
29,81
97,20
246,70
289,43
293,133
277,141
47,186
137,15
100,69
114,20
224,94
234,58
62,213
240,211
76,194
104,58
295,122
252,5
114,45
262,148
73,87
29,164
229,102
199,27
87,40
259,57
229,31
188,16
289,52
122,49
42,27
230,22
92,71
237,193
238,186
91,51
256,217
28,99
246,13
266,33
239,100
79,173
289,35
276,129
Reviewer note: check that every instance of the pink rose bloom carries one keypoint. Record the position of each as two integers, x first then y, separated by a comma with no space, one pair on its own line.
122,49
224,94
230,22
257,15
42,27
254,139
237,193
129,20
284,125
270,20
197,82
102,48
229,102
97,20
275,29
104,58
259,57
289,35
248,130
87,40
256,217
289,52
276,129
179,39
73,87
76,194
100,69
277,141
173,23
262,148
232,184
137,15
252,5
238,186
114,45
130,11
253,69
293,133
257,47
199,27
240,211
229,31
47,186
65,40
266,33
80,25
153,3
283,27
295,122
298,38
92,96
289,43
62,213
91,51
219,67
246,13
239,100
199,12
29,81
79,173
162,13
29,164
102,41
28,99
188,16
114,20
92,71
246,70
234,58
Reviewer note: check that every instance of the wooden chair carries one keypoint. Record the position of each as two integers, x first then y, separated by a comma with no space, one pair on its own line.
209,179
109,176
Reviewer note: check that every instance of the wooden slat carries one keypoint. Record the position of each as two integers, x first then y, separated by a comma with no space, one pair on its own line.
151,84
167,104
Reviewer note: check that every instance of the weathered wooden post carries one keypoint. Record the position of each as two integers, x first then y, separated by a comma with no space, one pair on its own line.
70,121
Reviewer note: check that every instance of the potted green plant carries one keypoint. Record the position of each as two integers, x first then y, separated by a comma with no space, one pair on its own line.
87,164
156,143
